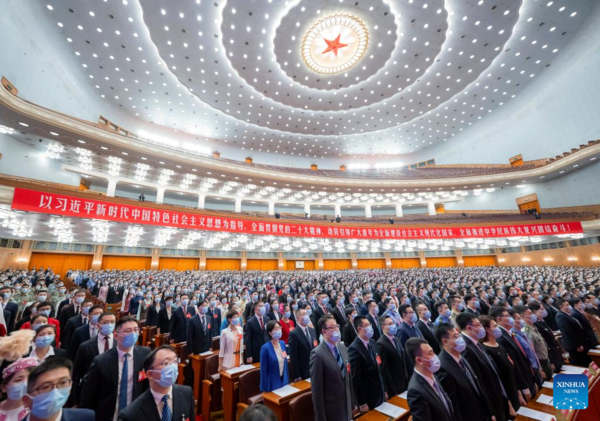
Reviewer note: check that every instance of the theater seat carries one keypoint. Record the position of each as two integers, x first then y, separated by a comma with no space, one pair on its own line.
212,397
216,343
301,408
250,393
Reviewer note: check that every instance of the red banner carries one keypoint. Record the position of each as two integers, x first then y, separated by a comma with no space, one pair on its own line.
57,204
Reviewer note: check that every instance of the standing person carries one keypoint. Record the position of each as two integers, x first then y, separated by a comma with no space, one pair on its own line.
85,332
124,363
164,400
179,320
231,343
367,379
164,317
273,360
48,388
349,331
426,398
330,375
302,340
426,327
393,358
199,333
42,344
372,316
536,340
255,333
408,329
153,310
554,349
14,385
576,341
287,324
7,305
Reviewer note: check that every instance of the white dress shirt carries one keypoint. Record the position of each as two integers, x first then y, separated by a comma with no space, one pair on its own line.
121,356
101,343
158,400
50,353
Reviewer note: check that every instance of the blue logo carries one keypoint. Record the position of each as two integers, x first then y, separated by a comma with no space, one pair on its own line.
570,391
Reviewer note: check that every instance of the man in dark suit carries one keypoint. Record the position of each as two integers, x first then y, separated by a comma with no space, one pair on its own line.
365,363
57,373
164,317
426,327
200,331
473,304
72,310
409,328
215,313
483,366
116,378
9,306
255,333
549,304
179,320
321,309
90,349
74,323
85,332
115,293
458,378
249,309
330,375
349,331
68,300
373,316
484,303
302,340
579,315
339,312
426,397
575,339
177,402
393,358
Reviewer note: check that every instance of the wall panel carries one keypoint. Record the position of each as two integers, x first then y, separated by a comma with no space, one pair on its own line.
61,262
371,264
406,263
126,262
338,264
441,262
223,264
262,264
479,260
308,265
178,263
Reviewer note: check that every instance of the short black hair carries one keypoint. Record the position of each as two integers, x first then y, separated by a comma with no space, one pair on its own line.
258,413
50,364
323,321
464,319
45,304
231,314
95,307
358,321
438,304
271,325
42,327
382,319
103,315
35,317
496,312
534,305
442,331
349,310
369,303
560,302
413,348
124,320
402,309
520,309
152,355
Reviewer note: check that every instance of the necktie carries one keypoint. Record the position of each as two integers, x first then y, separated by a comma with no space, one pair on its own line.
308,336
123,385
339,360
371,352
203,323
393,342
76,310
468,374
106,346
85,321
262,326
167,415
439,392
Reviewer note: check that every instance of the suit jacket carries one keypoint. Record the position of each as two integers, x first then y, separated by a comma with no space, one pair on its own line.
80,335
300,348
317,314
179,320
340,317
348,334
376,327
469,402
71,325
587,327
75,414
101,382
12,308
254,338
61,305
405,332
199,338
83,360
574,336
523,369
164,323
393,365
152,315
331,386
484,308
367,379
429,336
425,403
144,407
551,318
217,319
269,368
67,313
475,312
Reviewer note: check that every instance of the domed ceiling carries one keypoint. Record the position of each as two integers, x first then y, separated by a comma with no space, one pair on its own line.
315,78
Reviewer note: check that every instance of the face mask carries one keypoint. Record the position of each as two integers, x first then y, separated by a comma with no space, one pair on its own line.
107,329
459,345
480,333
262,311
85,310
306,320
551,300
309,311
6,295
184,303
45,313
67,296
448,313
235,321
511,322
376,311
428,314
213,303
25,290
276,334
294,307
44,341
369,332
287,314
433,364
170,303
325,301
413,318
393,329
130,340
335,336
461,307
533,318
17,390
497,332
42,298
48,404
569,309
157,300
168,375
392,307
354,300
476,304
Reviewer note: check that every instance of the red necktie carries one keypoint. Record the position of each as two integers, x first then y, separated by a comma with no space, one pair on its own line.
106,344
262,327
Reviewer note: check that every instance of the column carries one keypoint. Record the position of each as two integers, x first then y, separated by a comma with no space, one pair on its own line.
422,258
354,260
97,259
320,261
338,210
271,208
459,258
155,258
238,204
431,208
112,188
160,195
307,208
244,260
201,200
368,212
399,212
202,260
388,260
280,261
22,257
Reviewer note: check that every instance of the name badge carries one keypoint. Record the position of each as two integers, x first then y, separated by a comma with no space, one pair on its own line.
348,367
141,376
378,358
209,326
315,343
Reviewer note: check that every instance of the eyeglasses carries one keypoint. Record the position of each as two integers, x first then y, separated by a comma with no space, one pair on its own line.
167,363
335,327
64,383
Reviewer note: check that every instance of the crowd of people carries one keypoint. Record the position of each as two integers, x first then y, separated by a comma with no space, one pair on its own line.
463,343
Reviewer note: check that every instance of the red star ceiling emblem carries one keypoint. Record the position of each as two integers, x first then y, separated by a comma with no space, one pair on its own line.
334,45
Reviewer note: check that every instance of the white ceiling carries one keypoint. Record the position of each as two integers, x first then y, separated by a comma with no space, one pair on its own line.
231,72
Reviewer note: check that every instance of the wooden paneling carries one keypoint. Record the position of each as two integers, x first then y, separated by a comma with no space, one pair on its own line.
178,263
406,263
371,264
223,264
308,265
262,264
479,260
126,262
441,262
61,262
338,264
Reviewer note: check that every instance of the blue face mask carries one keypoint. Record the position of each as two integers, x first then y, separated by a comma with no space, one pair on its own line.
204,309
44,341
393,329
306,320
95,318
107,329
309,311
369,332
287,314
235,321
262,311
168,375
276,334
130,340
48,404
448,313
413,318
17,391
428,314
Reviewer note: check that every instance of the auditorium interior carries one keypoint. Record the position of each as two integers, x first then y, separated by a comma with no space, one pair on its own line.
199,152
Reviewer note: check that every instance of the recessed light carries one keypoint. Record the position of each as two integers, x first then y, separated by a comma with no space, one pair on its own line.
24,124
161,162
104,148
124,153
54,133
81,141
